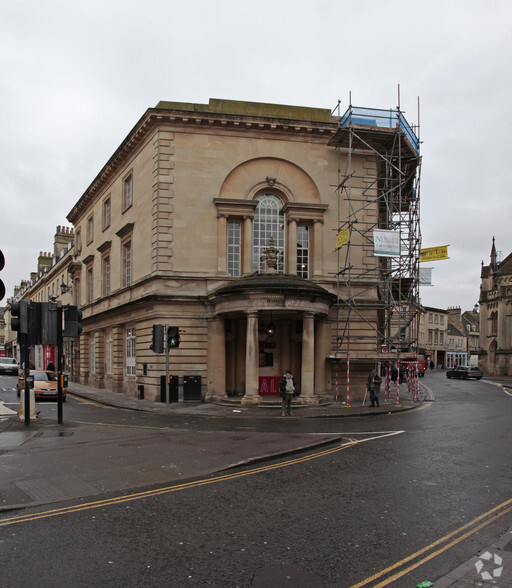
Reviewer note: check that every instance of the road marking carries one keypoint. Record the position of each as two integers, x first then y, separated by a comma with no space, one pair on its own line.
215,479
4,411
451,539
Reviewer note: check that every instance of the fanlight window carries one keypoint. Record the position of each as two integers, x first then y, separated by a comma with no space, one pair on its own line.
268,222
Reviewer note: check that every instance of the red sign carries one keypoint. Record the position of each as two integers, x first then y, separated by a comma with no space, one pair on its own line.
268,385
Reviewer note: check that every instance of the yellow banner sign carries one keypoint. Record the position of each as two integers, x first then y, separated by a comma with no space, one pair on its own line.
342,238
434,253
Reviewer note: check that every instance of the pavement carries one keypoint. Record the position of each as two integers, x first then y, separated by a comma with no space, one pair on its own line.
47,463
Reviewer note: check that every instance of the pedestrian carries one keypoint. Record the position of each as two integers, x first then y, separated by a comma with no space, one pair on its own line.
373,387
50,367
287,389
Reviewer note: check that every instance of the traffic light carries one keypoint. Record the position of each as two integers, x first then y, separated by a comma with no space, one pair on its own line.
2,285
173,337
49,323
34,323
19,317
72,324
157,344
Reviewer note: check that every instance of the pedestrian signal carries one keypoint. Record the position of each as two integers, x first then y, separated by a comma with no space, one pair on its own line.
173,337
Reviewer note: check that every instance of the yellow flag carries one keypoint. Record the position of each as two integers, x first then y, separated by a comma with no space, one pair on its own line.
342,238
434,253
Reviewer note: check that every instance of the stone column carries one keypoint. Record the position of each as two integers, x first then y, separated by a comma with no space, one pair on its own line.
292,247
222,240
308,360
322,350
247,247
239,351
318,249
252,397
217,358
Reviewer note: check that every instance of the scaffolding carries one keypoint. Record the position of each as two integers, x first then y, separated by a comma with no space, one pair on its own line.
378,193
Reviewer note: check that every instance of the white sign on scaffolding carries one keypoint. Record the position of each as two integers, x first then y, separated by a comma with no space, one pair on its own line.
386,243
426,276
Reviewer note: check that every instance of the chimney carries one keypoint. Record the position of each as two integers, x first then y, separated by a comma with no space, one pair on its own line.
43,261
63,236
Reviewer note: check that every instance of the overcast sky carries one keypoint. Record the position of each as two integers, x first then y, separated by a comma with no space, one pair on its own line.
76,76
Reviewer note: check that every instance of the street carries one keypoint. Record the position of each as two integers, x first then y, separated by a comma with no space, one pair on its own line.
333,516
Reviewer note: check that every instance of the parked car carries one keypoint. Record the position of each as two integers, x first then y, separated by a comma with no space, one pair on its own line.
45,384
464,373
8,365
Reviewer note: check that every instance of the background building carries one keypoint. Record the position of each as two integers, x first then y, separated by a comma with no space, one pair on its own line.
433,324
496,315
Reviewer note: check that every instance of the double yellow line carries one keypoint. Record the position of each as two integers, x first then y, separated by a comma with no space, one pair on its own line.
417,559
176,488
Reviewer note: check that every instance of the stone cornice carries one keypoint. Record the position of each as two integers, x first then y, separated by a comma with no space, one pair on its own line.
187,120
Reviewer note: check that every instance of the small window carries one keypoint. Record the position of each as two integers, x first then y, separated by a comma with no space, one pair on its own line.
106,213
106,276
90,229
90,285
127,264
93,354
303,252
127,192
130,351
234,249
108,353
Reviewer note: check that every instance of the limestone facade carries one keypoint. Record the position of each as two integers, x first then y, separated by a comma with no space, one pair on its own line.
173,230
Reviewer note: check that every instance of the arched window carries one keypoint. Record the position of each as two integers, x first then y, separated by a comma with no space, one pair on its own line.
268,222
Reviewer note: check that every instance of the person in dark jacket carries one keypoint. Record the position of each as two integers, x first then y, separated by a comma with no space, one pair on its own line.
287,389
373,387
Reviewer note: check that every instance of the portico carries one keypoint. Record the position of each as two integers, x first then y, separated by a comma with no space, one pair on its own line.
246,351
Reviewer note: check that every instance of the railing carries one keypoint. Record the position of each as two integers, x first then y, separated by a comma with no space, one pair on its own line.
375,117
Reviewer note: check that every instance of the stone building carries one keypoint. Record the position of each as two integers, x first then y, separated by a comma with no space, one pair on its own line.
471,322
51,281
496,315
432,335
221,219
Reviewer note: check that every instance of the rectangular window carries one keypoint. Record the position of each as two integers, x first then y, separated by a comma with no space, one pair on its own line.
435,337
430,337
234,249
90,229
78,240
441,338
436,318
106,213
106,276
130,351
127,192
303,252
93,354
429,317
90,285
127,264
441,320
108,353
